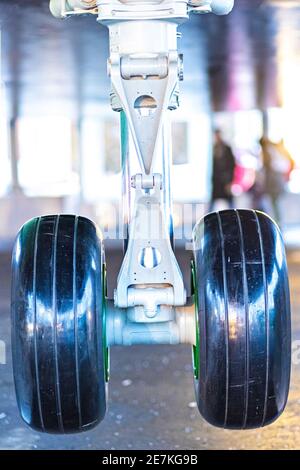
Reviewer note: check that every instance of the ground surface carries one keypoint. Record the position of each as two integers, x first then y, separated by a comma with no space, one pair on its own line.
151,402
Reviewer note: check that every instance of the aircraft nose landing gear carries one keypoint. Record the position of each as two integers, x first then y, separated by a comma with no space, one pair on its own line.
238,320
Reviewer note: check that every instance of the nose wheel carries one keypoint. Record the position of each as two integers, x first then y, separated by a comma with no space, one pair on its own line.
242,358
58,315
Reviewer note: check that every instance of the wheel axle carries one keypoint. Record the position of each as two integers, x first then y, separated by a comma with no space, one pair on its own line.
121,331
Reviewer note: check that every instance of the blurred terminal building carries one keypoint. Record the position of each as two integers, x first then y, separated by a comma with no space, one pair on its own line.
59,139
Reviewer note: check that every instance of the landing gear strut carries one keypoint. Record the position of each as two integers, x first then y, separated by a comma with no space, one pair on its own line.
238,321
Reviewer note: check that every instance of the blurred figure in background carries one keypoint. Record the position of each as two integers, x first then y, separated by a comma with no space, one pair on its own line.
271,181
223,171
257,191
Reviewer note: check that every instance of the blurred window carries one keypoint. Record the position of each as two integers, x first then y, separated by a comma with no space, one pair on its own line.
112,147
179,143
275,124
46,156
241,129
100,147
192,151
283,125
5,173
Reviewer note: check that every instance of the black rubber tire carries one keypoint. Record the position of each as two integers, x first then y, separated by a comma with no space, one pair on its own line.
241,283
57,324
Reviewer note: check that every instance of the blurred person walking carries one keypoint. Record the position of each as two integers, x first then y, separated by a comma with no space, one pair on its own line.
277,166
223,171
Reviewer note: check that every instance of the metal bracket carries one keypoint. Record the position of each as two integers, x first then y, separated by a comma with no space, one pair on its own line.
144,85
150,275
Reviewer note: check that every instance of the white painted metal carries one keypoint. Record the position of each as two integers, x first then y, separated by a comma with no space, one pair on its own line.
148,230
115,10
138,314
150,47
133,66
150,298
128,9
120,330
